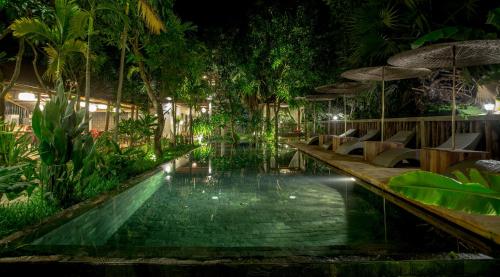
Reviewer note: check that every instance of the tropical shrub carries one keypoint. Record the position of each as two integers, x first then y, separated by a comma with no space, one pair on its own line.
16,146
15,180
66,152
138,131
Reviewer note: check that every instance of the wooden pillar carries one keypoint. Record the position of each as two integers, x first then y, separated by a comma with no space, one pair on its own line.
132,113
106,127
329,114
488,135
422,131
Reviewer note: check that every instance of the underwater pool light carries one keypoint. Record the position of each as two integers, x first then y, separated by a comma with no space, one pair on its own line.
215,197
292,196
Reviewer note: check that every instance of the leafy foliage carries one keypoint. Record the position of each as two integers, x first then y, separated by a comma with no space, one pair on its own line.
62,38
65,151
434,189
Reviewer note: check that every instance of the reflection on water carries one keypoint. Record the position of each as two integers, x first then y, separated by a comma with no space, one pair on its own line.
226,197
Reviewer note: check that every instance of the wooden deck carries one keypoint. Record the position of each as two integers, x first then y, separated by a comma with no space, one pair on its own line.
485,226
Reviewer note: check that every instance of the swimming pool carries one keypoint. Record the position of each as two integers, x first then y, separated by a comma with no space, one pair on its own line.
245,202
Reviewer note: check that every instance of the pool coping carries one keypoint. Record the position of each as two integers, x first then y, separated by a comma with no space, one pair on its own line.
78,209
297,266
347,165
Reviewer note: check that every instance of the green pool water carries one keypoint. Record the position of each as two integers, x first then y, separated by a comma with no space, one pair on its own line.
243,202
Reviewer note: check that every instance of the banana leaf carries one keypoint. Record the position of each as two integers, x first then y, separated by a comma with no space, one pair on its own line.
438,190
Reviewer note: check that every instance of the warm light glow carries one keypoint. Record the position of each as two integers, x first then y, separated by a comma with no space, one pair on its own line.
489,107
203,110
102,106
169,98
26,96
167,167
205,77
92,107
194,165
335,117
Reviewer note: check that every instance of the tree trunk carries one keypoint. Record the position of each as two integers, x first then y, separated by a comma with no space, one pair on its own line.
159,130
276,121
268,117
157,105
174,123
120,80
17,69
106,127
191,135
87,73
37,74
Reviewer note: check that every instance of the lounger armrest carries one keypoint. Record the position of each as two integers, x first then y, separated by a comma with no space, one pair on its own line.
373,148
337,141
438,160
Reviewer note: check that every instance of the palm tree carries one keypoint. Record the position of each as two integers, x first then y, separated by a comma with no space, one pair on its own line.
62,38
153,22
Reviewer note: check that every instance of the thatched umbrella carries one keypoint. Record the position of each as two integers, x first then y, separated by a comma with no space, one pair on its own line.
382,74
451,55
343,89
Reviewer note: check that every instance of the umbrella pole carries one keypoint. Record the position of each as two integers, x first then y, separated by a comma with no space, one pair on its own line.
453,95
383,106
329,115
345,116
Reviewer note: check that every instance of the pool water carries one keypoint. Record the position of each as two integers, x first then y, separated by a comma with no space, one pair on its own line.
222,201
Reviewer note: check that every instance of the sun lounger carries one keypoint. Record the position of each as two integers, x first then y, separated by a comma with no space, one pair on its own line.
390,158
350,146
348,133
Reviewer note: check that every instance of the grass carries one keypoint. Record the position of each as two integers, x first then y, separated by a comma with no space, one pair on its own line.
14,217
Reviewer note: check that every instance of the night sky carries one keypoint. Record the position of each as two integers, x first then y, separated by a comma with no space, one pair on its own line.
216,14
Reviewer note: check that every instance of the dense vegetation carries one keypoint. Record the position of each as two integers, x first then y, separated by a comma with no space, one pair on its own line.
248,72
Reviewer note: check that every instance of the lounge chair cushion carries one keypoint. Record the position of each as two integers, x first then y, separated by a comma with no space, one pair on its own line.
464,141
403,137
350,146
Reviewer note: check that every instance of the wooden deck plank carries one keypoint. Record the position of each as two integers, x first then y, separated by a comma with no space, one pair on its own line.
485,226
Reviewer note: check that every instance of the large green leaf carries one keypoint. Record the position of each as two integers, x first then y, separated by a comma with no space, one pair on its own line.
494,18
434,189
434,36
36,122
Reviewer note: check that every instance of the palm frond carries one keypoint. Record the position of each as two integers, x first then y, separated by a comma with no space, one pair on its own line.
52,63
78,24
32,27
389,17
74,46
150,17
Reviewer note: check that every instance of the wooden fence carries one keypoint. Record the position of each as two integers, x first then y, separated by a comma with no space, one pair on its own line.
431,131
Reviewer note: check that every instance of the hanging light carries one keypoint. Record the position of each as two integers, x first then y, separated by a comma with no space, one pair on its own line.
26,96
92,108
489,107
